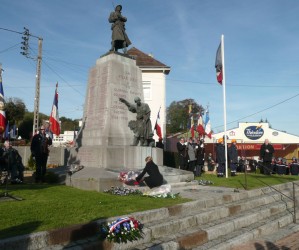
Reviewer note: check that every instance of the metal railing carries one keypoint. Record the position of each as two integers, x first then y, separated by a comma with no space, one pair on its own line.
293,198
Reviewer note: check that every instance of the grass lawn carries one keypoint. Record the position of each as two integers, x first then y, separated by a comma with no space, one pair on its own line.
47,207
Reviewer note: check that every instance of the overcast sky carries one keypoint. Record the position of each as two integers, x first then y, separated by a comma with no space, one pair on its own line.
261,53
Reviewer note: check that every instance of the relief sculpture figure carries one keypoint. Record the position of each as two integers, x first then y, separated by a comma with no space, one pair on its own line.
142,126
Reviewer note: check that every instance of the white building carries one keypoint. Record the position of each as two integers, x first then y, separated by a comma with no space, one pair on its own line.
251,135
65,139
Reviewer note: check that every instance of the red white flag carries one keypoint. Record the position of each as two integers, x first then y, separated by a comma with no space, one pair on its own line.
218,65
158,126
2,112
200,129
208,130
54,118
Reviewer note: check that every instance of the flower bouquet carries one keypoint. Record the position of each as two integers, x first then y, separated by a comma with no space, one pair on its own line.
128,177
122,230
122,191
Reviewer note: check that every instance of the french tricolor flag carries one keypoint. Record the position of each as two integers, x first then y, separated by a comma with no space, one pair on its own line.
2,102
158,126
218,65
54,118
208,130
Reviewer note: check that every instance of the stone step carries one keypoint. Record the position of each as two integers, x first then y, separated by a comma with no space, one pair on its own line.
265,227
208,235
193,231
188,225
198,218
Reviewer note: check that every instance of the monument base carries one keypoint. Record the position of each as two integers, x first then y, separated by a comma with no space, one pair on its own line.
102,179
125,157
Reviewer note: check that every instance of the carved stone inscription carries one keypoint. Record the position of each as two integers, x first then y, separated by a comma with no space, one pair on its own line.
112,77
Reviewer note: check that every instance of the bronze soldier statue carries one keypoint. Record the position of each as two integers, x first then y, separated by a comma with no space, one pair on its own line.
120,40
143,127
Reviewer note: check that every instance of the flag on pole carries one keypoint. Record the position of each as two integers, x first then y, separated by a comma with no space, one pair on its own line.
208,130
200,129
2,112
54,117
218,65
158,126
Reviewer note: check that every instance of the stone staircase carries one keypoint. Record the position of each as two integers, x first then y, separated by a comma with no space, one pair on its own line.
217,218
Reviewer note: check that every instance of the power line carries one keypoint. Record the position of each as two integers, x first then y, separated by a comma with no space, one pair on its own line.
270,107
235,85
11,30
5,50
63,79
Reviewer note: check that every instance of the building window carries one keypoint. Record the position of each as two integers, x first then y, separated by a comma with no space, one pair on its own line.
147,90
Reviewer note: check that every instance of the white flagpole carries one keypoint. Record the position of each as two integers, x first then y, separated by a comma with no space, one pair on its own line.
224,104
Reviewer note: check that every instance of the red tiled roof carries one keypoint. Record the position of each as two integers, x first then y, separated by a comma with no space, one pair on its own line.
144,60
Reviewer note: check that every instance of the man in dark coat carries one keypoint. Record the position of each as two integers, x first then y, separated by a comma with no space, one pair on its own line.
40,150
233,157
182,151
154,178
200,157
266,155
220,157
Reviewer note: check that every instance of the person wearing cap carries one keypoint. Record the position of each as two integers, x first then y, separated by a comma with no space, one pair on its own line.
40,150
143,121
233,157
266,155
294,166
220,157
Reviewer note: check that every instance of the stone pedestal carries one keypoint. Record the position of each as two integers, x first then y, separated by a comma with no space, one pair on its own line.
105,138
105,117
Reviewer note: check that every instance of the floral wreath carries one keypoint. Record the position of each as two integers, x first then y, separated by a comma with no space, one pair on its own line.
122,230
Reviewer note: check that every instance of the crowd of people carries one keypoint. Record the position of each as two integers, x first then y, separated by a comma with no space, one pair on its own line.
192,157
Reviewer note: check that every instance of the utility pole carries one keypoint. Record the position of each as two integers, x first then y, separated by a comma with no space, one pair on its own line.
37,87
25,52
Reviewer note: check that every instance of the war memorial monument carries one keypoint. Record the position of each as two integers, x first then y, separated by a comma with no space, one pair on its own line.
107,142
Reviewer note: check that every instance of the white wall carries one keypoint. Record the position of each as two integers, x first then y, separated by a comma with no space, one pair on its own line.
157,97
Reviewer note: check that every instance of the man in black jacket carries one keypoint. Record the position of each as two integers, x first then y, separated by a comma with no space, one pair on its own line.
182,151
266,155
154,178
220,157
233,157
40,150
